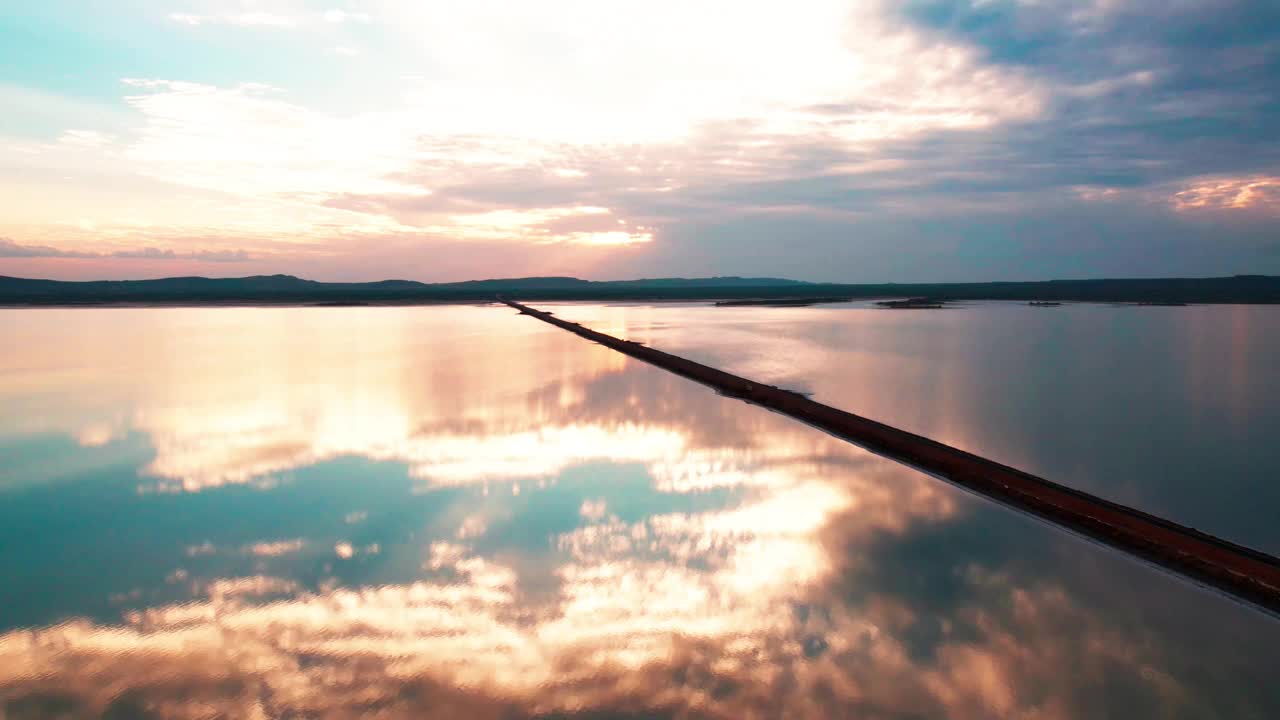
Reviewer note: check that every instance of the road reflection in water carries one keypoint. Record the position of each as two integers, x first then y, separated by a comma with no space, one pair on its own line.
398,512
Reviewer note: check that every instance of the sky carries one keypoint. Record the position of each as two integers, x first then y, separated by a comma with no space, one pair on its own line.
830,140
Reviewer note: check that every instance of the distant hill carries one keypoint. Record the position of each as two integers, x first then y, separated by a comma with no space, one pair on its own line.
290,289
287,289
723,282
572,283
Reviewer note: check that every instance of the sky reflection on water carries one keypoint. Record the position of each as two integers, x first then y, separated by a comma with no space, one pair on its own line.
1170,409
390,512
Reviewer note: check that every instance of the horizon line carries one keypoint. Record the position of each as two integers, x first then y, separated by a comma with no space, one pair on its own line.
1234,276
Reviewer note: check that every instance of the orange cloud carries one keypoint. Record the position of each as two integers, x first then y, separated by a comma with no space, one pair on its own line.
1260,192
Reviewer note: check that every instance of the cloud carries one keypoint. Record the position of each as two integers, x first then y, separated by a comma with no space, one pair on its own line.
248,19
271,14
85,138
837,127
468,155
1230,193
168,254
187,18
11,249
249,140
474,122
342,16
1148,91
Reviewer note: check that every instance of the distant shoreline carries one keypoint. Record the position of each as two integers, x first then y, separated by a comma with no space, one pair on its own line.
285,290
158,304
476,302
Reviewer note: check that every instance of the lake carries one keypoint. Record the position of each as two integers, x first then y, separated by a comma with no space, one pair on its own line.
449,510
1174,410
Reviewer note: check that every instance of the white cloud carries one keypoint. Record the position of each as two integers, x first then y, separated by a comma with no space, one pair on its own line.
583,72
187,18
248,140
259,19
341,16
85,138
659,96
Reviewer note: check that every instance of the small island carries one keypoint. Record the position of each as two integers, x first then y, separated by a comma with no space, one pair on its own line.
919,303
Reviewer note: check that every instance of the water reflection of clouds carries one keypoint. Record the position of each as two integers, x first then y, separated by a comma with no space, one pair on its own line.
213,423
653,639
1137,405
675,610
779,577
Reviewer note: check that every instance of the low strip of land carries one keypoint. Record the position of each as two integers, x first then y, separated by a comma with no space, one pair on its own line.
1243,573
289,290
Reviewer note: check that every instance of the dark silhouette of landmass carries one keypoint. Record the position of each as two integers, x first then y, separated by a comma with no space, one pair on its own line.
286,289
783,301
920,303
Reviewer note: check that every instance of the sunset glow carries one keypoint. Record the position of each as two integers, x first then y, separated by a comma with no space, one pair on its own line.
386,138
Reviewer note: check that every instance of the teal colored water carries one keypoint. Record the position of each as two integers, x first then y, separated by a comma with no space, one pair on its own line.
457,511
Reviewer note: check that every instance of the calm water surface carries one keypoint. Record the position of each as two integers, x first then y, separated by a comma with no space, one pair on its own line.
457,511
1174,410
